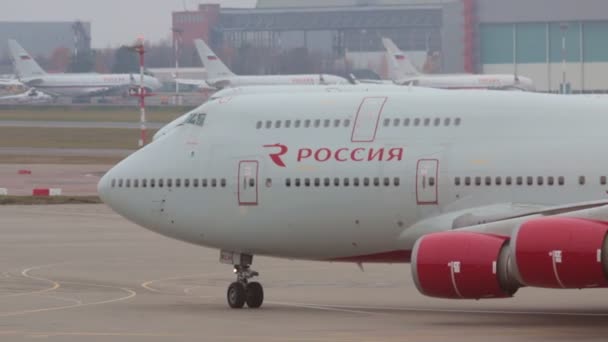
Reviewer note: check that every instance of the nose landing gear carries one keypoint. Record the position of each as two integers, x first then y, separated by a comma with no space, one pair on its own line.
242,291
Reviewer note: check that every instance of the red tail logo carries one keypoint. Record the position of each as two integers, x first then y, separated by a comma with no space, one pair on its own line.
276,157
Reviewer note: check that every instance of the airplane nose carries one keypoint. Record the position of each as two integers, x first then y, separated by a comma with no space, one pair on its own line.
103,187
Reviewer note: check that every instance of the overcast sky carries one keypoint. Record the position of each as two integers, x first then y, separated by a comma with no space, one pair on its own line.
113,22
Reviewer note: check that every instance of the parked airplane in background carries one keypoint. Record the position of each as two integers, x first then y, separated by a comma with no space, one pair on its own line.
219,76
31,96
483,192
407,74
74,85
249,90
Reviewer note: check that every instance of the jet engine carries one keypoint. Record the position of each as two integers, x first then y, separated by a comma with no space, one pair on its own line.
551,252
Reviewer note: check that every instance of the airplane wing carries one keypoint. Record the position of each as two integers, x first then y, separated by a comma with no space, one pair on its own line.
202,84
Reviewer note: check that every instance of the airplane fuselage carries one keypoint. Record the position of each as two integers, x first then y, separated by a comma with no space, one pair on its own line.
360,172
88,84
254,80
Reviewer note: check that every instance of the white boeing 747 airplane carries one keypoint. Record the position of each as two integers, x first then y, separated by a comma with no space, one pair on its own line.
220,76
483,192
407,74
74,85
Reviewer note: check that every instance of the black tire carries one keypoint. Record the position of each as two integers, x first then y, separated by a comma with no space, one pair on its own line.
236,295
255,295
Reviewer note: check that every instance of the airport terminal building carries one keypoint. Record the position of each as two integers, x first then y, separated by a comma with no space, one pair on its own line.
522,37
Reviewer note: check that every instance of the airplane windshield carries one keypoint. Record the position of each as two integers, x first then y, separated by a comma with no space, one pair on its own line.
196,119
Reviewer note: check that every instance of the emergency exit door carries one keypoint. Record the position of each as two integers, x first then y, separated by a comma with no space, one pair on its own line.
248,182
368,117
427,182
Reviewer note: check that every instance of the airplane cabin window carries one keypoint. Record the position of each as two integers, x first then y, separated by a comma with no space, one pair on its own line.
427,122
417,122
326,123
186,182
161,183
396,181
152,182
550,180
520,180
144,183
204,182
317,123
307,182
277,124
136,183
581,180
406,122
306,123
366,181
326,181
376,181
396,122
288,182
268,182
296,124
337,123
287,123
346,181
431,181
356,181
603,180
317,182
447,121
540,180
251,182
437,121
195,183
178,182
387,122
268,124
113,183
169,182
488,181
387,181
120,183
214,183
530,180
457,122
498,181
561,180
467,181
336,181
223,182
258,125
508,181
128,183
297,182
478,181
347,123
457,181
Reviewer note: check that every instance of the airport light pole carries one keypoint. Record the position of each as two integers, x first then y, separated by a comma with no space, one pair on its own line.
564,28
177,40
141,92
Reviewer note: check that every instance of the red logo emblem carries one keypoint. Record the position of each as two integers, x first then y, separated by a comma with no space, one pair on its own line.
276,157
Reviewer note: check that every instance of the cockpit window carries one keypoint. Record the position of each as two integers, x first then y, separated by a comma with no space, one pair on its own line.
196,119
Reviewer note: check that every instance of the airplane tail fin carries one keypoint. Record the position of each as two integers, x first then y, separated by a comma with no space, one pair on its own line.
215,67
400,61
25,65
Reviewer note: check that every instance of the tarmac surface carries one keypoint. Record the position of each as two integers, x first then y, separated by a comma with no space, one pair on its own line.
74,180
82,273
77,124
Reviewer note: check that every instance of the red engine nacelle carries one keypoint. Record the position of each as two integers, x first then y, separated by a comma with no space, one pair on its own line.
561,252
459,265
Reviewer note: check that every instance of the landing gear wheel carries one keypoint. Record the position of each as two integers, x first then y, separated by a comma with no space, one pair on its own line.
236,295
255,295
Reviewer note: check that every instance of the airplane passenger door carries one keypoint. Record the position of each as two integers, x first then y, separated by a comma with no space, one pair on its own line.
368,117
427,182
248,182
